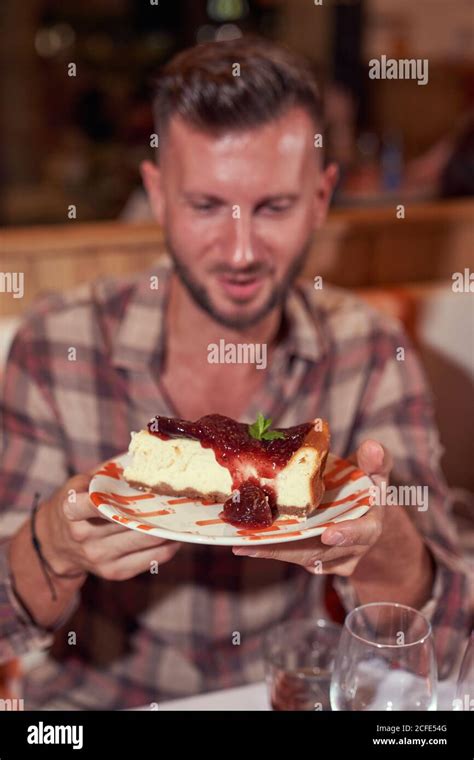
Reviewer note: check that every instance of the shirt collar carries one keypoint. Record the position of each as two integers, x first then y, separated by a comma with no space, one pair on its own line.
140,336
140,339
305,339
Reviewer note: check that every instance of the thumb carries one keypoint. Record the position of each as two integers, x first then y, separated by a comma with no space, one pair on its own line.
79,483
373,459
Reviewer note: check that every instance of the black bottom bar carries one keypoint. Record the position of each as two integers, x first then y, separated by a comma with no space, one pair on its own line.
376,734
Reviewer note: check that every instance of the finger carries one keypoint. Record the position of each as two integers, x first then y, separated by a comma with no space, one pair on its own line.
314,556
81,508
138,562
78,483
373,459
298,552
286,552
364,531
95,528
120,545
359,532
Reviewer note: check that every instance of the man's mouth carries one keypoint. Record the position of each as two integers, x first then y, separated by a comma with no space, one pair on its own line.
241,287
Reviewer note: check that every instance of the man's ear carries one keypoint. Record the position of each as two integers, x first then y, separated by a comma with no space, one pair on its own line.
327,182
151,178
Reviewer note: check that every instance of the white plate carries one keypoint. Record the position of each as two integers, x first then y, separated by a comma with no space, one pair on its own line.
346,497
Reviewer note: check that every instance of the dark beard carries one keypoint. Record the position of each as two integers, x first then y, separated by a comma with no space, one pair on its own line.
200,296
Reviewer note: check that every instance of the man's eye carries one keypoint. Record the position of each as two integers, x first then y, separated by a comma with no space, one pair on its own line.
276,208
204,206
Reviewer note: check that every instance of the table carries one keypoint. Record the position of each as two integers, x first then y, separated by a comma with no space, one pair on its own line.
250,697
254,697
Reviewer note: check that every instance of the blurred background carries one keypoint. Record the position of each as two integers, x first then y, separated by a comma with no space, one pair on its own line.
78,139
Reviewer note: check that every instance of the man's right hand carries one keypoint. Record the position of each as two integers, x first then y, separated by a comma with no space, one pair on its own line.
76,541
75,537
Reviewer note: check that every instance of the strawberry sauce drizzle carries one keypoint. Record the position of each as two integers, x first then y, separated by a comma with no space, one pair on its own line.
251,504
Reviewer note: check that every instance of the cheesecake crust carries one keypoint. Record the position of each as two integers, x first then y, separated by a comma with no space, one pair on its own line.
163,489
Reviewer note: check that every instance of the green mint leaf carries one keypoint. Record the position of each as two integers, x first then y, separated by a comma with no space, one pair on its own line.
260,429
254,431
271,435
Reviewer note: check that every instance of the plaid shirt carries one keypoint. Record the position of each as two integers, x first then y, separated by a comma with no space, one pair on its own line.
162,636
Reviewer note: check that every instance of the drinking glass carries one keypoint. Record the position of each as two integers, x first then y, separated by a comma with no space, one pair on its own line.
465,684
385,660
299,656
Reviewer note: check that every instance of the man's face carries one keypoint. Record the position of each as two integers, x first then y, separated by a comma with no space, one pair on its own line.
238,211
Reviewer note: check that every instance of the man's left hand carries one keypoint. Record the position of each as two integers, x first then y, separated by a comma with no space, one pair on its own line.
341,547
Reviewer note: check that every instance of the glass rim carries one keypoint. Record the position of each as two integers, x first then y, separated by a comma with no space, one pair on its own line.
321,623
378,645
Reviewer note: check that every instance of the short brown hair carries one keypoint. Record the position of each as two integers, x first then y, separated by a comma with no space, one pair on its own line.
200,85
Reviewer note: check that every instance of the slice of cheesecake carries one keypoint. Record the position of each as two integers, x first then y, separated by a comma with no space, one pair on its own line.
257,472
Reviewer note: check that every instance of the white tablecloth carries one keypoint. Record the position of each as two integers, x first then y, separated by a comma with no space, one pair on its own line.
254,697
251,697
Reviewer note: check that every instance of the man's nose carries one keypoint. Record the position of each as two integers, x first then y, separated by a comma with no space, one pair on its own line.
242,244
